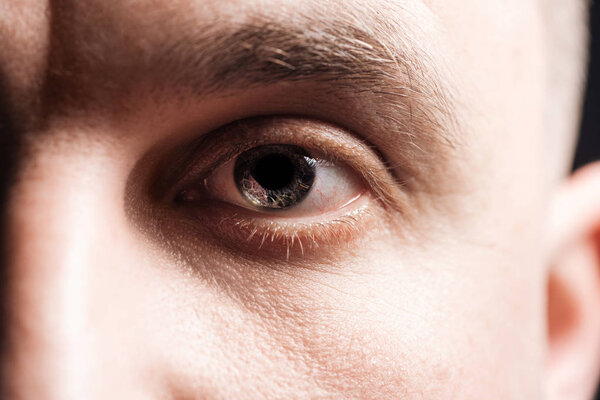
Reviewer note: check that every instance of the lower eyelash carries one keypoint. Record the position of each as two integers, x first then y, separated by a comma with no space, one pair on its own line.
288,241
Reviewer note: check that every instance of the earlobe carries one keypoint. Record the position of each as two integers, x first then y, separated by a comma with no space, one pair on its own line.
573,303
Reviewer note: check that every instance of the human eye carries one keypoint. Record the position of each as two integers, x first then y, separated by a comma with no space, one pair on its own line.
285,180
283,186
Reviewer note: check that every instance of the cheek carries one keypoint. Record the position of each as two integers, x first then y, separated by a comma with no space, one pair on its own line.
234,330
438,317
385,325
420,328
443,324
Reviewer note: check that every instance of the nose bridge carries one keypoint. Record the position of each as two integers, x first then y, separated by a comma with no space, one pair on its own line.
56,221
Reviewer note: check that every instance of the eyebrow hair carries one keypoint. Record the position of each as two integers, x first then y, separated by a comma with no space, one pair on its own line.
340,55
270,52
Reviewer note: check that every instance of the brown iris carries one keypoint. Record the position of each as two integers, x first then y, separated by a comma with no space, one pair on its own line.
274,176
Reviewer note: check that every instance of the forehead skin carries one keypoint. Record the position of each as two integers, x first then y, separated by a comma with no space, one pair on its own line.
37,37
426,315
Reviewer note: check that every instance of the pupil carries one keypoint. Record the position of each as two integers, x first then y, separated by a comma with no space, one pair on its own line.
273,171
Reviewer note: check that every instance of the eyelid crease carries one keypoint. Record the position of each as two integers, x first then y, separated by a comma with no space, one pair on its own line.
322,139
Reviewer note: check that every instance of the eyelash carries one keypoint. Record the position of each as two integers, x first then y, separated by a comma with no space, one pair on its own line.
277,237
277,241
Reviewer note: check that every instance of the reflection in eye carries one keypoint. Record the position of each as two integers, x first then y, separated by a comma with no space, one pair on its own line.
286,179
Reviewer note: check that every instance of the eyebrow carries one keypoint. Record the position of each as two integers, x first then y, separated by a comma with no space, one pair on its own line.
269,53
340,56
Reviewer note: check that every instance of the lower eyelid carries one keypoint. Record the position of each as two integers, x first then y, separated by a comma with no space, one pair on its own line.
289,239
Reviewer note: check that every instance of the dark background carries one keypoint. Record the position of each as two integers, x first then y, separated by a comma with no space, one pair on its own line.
589,144
588,149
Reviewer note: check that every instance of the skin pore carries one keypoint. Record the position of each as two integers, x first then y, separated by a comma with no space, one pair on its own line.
438,254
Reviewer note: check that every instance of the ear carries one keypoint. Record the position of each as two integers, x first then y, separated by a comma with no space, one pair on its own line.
574,288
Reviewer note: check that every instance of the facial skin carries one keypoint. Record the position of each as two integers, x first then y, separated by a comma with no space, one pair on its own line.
135,269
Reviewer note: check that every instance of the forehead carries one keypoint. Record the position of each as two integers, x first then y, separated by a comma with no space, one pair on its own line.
75,52
37,34
458,61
